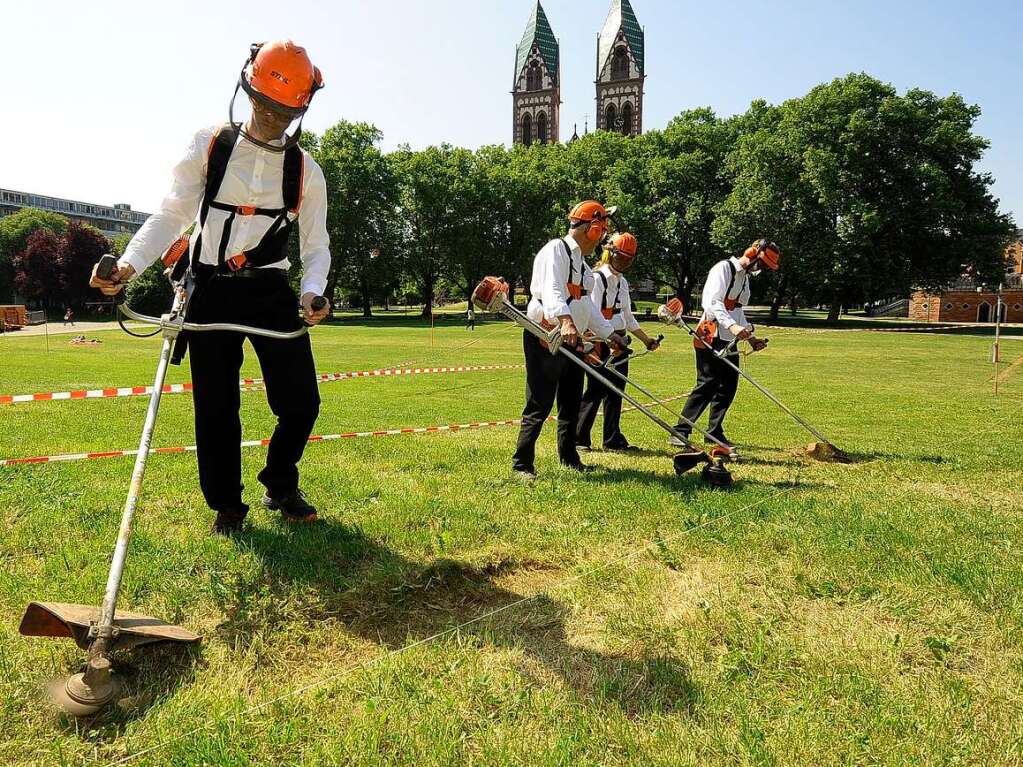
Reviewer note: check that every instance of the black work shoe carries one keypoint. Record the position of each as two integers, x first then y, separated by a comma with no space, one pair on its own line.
293,507
229,521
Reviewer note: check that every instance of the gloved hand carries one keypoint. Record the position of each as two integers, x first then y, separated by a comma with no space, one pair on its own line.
758,344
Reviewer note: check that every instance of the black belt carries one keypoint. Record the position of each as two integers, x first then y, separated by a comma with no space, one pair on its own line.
263,272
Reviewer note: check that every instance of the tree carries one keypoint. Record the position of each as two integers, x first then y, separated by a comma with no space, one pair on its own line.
81,248
150,292
873,192
37,268
362,193
431,217
669,188
15,231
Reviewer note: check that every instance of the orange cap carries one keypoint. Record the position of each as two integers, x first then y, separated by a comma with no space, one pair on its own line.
281,73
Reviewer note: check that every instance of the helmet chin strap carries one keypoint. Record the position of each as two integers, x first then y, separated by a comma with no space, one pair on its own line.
289,141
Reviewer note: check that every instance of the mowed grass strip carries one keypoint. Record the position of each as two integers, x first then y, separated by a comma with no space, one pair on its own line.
816,614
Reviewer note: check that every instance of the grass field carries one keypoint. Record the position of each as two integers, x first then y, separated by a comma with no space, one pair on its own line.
816,614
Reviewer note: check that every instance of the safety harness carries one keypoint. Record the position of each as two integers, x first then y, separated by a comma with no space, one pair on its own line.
616,307
707,329
575,289
273,246
733,303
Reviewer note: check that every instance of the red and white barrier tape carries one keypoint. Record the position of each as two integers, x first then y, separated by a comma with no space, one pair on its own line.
138,391
453,427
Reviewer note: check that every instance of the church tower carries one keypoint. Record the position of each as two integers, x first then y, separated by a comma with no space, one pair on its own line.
536,89
620,71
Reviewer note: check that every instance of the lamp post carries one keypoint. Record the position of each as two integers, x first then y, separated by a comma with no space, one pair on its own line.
995,351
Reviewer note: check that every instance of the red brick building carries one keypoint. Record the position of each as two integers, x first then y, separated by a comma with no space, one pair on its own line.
964,302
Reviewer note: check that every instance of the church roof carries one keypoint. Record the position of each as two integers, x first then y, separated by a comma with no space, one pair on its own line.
621,16
538,30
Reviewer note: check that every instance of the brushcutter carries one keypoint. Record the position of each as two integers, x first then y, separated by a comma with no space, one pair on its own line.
491,295
614,361
104,630
721,449
824,450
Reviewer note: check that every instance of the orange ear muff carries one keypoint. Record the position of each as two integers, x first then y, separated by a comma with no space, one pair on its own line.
597,230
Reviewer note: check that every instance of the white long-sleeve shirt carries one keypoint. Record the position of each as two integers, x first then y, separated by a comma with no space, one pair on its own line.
254,177
548,288
715,291
618,297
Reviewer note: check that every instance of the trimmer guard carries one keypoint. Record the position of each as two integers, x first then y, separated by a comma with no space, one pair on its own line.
61,620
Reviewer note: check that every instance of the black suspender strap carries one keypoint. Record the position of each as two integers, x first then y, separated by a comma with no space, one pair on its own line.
218,155
603,279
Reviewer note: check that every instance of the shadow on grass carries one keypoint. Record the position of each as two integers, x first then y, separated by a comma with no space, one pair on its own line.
384,597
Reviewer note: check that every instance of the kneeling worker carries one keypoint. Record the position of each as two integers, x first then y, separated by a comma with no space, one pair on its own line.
611,297
561,278
725,292
245,187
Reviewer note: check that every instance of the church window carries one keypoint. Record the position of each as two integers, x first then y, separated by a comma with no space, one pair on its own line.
610,117
627,118
620,63
541,127
534,77
527,129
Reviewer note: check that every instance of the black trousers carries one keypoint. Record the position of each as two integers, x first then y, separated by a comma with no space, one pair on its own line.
264,301
596,393
548,377
716,384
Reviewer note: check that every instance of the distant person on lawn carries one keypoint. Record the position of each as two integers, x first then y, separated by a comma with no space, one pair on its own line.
246,187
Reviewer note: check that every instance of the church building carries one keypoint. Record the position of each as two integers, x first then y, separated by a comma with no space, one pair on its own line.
621,71
536,91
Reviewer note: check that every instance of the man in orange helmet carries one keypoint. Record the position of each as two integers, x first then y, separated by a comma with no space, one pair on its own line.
245,187
611,297
725,293
560,281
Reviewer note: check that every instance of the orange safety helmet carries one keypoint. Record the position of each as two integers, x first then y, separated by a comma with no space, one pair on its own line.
766,252
622,251
593,213
280,75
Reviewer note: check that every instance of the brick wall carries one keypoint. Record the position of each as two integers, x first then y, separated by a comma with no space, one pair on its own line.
963,306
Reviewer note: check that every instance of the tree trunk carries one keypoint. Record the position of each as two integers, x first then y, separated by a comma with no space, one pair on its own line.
427,295
331,289
779,299
835,310
367,301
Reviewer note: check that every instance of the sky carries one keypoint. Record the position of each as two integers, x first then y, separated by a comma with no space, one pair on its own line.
101,98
